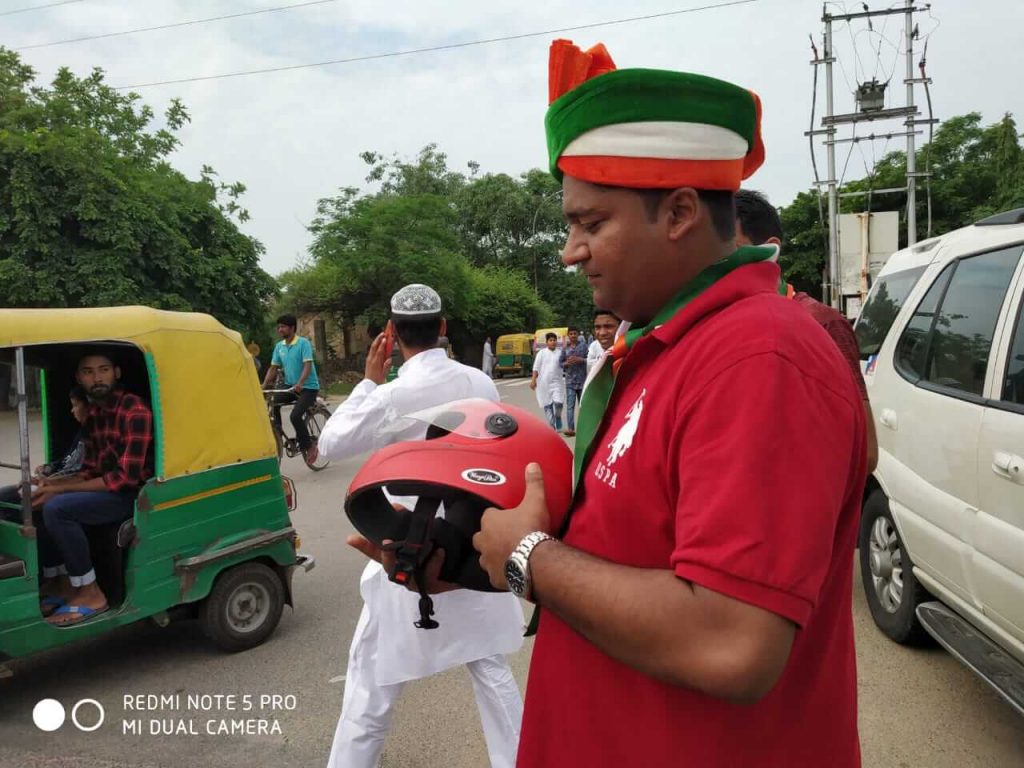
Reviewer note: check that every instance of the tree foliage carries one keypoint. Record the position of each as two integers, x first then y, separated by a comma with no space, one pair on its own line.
93,214
976,171
490,244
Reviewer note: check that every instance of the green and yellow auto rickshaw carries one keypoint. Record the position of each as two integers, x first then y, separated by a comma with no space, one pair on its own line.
211,535
514,355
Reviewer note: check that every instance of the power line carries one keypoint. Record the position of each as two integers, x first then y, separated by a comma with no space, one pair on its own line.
38,7
172,26
452,46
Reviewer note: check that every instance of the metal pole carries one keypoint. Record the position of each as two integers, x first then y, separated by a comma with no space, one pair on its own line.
911,159
26,466
832,287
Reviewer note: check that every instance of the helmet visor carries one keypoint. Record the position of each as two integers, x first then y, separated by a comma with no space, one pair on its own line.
473,418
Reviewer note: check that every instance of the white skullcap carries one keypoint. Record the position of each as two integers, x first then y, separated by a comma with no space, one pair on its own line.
416,300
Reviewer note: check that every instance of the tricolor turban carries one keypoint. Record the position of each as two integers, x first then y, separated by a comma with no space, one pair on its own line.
647,128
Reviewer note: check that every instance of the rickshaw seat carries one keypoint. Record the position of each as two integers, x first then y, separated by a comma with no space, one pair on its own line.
107,544
12,567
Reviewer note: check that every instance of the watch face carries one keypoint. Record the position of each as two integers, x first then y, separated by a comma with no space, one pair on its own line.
515,578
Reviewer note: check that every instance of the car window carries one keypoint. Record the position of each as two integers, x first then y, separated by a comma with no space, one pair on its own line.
912,349
1013,384
880,310
949,338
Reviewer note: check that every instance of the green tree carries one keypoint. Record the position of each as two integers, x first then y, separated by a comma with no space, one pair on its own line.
92,213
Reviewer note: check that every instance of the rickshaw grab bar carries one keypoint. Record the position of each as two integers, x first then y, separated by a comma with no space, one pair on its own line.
193,563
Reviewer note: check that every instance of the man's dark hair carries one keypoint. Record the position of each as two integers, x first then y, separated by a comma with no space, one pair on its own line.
608,312
418,332
78,394
97,352
288,320
758,218
572,328
719,203
550,336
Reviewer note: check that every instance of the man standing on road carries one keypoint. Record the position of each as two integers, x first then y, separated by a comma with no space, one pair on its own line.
478,628
548,382
573,361
487,364
293,354
758,223
605,325
697,611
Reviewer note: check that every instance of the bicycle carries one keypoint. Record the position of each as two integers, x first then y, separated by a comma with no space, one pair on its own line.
315,419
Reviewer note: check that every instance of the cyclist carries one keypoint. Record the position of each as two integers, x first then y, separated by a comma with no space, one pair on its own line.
293,355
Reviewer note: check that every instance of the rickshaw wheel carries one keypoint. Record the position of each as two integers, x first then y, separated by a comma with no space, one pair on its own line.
244,607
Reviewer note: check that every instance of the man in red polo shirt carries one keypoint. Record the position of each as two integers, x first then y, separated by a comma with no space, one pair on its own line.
697,611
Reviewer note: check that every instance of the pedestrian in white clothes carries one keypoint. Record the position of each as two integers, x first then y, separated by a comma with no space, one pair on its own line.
487,364
476,628
548,381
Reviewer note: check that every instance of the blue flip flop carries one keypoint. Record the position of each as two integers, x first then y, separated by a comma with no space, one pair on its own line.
83,612
53,602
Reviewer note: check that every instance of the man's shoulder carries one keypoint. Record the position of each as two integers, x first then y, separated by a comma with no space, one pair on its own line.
132,402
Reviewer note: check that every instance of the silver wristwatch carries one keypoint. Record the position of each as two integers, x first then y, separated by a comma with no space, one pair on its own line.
517,567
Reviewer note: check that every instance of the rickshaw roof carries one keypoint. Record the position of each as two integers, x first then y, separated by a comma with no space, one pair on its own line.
143,326
205,392
515,336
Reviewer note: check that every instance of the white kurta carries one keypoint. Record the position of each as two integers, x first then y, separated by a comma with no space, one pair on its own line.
550,380
594,353
487,365
473,625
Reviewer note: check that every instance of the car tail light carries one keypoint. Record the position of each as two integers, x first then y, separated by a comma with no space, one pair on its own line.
291,496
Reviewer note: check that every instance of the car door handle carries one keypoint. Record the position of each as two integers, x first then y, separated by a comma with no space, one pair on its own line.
888,419
1008,465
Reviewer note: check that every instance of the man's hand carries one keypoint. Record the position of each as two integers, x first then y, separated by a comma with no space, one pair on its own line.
533,383
501,530
378,361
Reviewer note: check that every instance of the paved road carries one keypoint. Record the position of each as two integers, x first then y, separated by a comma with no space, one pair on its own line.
918,708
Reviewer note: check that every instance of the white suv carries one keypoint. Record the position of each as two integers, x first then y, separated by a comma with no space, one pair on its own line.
942,535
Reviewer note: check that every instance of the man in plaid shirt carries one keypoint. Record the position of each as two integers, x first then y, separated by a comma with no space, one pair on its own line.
118,434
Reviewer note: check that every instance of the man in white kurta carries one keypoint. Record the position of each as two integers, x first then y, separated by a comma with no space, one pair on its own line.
476,628
487,364
548,382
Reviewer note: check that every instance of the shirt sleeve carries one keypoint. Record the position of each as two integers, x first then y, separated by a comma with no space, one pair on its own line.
764,456
307,350
275,359
354,427
137,432
844,337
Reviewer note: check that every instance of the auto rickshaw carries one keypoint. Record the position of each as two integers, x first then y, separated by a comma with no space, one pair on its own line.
514,354
211,535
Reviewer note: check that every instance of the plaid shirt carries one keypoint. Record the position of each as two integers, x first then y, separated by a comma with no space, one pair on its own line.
118,438
576,373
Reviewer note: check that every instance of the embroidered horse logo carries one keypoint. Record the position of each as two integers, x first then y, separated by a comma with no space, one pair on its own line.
624,439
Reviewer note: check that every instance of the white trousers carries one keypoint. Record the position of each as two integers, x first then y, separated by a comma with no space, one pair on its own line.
367,708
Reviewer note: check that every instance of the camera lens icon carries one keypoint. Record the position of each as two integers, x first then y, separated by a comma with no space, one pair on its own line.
49,715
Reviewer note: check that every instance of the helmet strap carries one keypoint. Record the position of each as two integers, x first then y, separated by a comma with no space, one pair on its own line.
412,554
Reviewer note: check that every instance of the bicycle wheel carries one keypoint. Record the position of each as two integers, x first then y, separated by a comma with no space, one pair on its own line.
316,417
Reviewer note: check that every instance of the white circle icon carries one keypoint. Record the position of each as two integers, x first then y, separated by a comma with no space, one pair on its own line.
87,728
48,715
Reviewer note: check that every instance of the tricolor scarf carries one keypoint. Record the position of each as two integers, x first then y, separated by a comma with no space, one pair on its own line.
599,389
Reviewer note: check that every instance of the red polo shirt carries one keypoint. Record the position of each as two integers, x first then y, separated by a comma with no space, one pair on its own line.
732,452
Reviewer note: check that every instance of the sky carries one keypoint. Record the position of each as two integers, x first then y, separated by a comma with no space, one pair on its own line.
294,137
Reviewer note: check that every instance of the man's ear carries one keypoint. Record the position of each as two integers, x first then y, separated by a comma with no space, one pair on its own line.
684,211
772,241
117,373
444,327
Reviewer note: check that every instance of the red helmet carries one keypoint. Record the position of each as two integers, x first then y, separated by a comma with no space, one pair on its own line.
474,456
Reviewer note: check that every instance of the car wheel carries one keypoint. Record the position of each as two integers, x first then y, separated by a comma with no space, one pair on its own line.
892,591
244,607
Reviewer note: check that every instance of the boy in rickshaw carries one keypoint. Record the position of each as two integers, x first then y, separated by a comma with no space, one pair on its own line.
118,433
68,464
